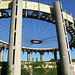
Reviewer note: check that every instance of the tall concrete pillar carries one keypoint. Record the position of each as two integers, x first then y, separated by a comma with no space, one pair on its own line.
55,56
28,56
14,54
1,54
41,56
65,58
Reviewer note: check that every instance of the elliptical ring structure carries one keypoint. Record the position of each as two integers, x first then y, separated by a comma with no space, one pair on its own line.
47,15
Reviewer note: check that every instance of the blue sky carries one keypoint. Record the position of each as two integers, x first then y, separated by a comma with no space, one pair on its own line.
42,30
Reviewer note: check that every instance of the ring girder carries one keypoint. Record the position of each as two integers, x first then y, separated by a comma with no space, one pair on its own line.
46,16
35,41
25,49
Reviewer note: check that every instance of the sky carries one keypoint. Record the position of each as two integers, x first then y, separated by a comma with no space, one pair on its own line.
39,27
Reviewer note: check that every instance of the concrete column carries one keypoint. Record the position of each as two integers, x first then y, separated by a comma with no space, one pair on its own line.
28,56
41,56
14,54
1,54
65,58
55,56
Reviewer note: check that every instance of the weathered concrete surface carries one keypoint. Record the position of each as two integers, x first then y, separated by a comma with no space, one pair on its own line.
14,57
62,40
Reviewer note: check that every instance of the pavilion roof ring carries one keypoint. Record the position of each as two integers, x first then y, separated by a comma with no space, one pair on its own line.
35,41
6,5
